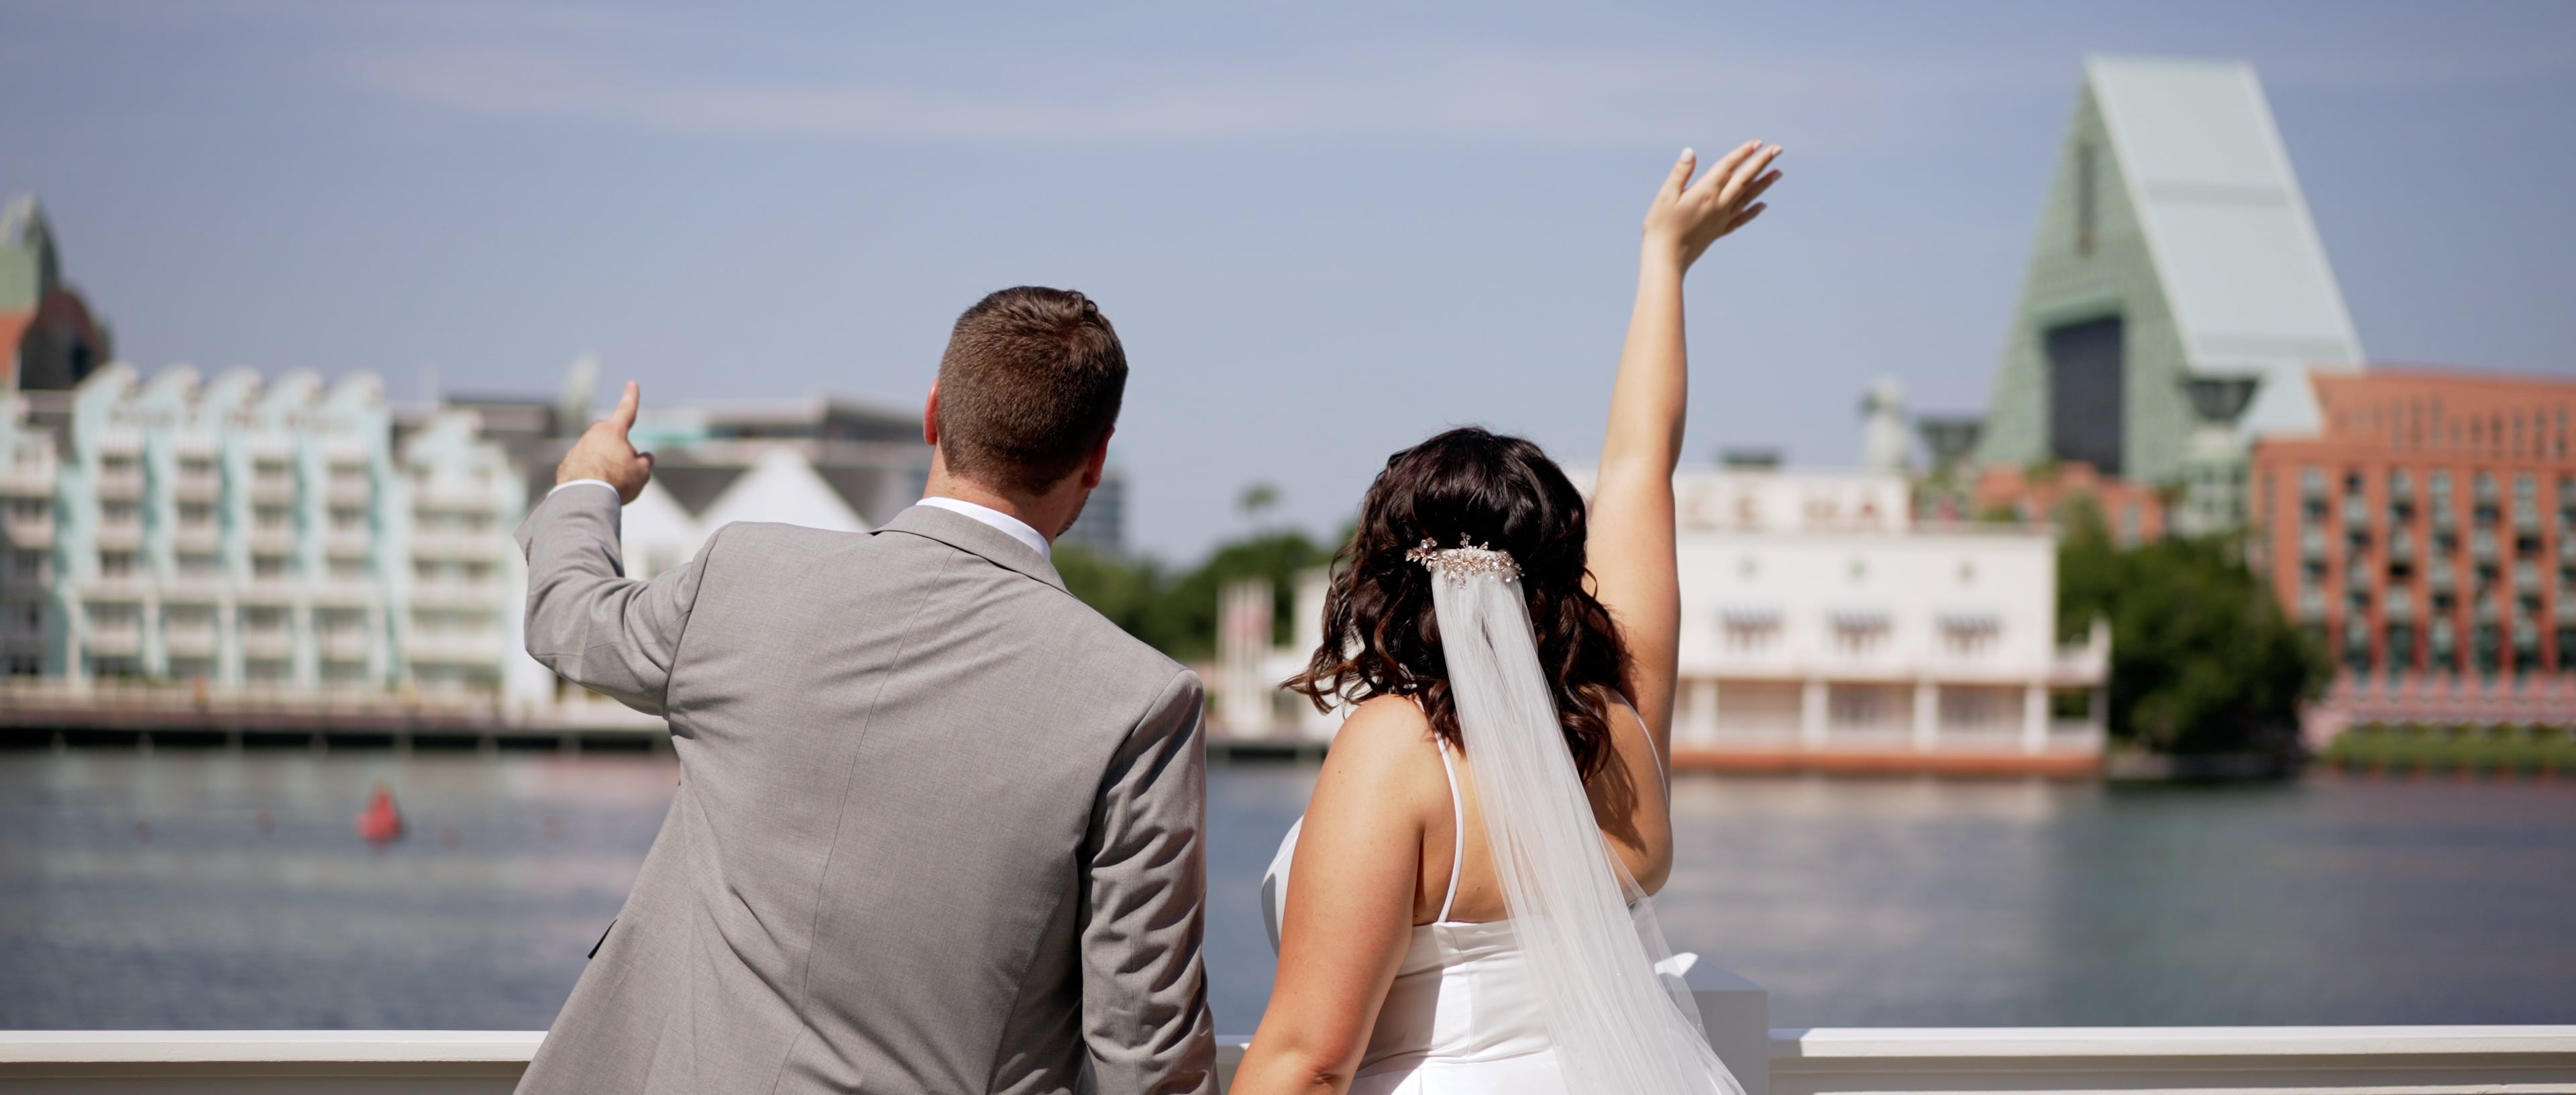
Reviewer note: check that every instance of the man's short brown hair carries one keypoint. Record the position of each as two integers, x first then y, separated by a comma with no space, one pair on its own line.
1031,381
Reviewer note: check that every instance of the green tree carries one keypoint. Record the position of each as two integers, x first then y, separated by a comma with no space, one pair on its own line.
1187,611
1176,613
2202,658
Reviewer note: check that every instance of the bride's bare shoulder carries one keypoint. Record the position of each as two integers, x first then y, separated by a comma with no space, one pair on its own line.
1386,744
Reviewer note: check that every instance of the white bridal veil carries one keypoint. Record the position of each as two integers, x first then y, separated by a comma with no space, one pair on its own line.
1588,933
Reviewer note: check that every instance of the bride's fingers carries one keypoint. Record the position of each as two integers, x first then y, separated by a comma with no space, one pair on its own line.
1754,191
1745,174
1678,179
1728,165
1746,217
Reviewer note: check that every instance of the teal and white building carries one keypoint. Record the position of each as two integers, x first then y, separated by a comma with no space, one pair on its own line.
241,537
2177,294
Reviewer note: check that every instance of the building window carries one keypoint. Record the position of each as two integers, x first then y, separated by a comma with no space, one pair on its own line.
273,518
116,564
268,568
263,619
197,566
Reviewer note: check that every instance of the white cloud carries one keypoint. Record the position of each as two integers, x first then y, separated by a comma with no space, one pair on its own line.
1446,90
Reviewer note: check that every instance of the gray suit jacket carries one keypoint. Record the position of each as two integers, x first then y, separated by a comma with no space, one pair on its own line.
938,826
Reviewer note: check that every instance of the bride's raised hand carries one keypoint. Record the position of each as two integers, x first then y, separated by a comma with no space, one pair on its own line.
1687,216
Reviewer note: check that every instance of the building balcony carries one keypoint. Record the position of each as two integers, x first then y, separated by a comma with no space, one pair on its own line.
30,531
119,537
272,492
2312,544
474,595
272,541
28,480
189,640
197,488
2526,575
114,641
2443,576
456,546
272,643
2401,546
344,492
124,484
451,496
193,590
349,545
118,589
347,592
2482,546
196,539
346,644
478,646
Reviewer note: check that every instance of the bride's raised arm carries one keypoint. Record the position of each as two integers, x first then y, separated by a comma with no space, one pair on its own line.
1630,549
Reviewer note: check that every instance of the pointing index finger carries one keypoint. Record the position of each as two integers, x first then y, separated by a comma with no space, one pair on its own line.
624,416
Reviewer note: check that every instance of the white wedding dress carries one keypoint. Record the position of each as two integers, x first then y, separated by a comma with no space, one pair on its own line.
1462,1015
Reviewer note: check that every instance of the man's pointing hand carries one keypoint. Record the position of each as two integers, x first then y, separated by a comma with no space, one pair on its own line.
604,453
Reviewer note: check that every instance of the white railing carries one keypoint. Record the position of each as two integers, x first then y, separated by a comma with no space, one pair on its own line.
2269,1060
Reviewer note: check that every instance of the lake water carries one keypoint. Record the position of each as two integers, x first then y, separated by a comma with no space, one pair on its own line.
216,890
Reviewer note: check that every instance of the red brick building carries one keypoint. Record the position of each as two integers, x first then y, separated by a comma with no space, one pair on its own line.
2428,533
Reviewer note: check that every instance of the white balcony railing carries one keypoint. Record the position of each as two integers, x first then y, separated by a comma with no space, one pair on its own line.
2274,1060
121,536
120,483
189,640
29,531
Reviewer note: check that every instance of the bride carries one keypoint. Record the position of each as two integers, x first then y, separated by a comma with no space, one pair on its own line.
1469,907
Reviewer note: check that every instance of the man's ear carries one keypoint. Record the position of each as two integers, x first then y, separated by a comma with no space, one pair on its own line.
1097,464
930,416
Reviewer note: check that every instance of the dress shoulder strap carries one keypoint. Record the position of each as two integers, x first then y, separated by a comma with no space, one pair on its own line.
1457,829
1457,817
1660,771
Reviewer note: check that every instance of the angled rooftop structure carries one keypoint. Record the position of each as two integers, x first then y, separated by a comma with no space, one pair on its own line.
2177,294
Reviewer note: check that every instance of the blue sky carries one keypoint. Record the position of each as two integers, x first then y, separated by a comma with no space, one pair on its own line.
1324,230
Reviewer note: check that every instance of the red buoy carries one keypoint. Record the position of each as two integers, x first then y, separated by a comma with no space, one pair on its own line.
380,823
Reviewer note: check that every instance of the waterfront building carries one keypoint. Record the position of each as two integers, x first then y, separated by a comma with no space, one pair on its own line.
49,338
235,536
1823,626
2426,530
2177,293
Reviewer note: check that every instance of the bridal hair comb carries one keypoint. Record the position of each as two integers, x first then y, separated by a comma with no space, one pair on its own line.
1465,561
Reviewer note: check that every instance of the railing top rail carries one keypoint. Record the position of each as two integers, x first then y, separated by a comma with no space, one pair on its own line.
193,1046
2031,1042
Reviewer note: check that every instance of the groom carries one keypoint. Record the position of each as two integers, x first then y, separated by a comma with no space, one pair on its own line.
938,826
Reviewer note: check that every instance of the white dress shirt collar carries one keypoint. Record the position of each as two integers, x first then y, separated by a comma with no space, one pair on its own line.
1017,529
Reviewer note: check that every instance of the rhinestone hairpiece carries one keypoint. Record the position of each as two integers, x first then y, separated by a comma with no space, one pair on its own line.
1465,561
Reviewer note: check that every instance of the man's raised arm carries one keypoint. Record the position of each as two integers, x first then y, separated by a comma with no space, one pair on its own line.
586,620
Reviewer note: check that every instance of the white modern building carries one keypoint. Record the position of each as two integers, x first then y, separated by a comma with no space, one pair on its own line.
234,536
1823,626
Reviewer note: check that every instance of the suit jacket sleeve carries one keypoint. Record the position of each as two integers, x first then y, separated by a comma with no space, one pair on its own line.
1144,988
589,622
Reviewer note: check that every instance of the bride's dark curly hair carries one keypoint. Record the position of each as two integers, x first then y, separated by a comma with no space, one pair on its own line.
1499,492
